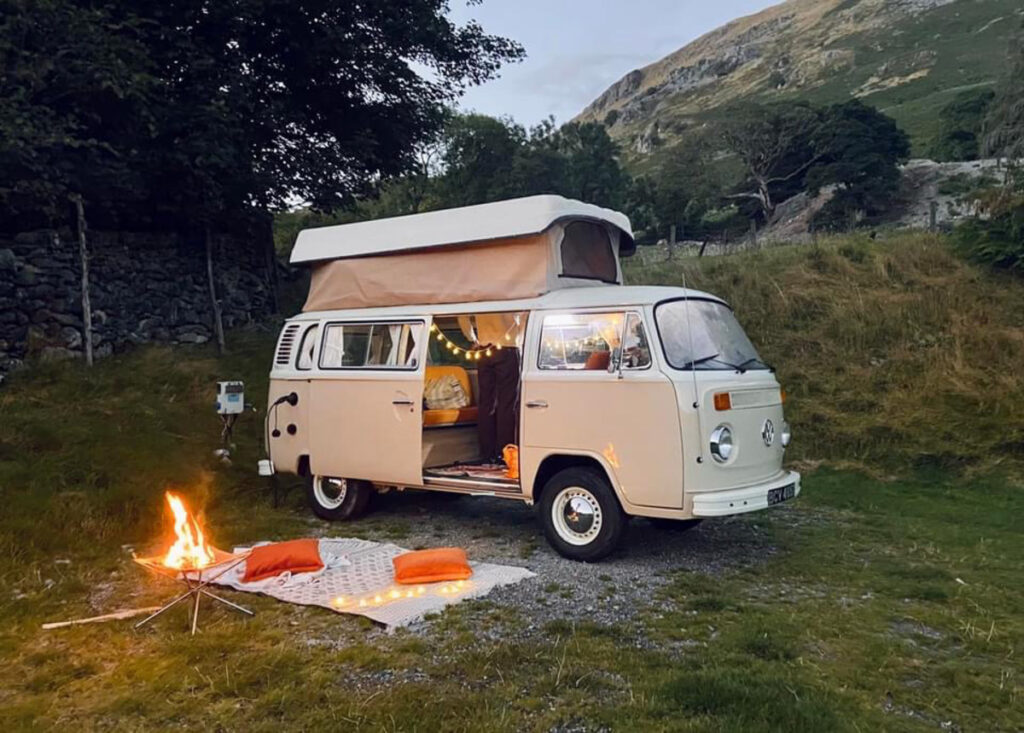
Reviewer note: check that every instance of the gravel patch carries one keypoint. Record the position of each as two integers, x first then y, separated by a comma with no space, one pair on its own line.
507,532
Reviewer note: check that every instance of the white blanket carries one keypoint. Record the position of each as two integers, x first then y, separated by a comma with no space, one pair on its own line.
358,578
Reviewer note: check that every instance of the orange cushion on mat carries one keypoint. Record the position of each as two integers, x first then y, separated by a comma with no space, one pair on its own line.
296,556
432,566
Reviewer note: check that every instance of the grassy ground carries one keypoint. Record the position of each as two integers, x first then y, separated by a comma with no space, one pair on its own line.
878,602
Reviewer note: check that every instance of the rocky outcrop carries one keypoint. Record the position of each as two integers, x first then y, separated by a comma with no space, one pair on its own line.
821,50
144,287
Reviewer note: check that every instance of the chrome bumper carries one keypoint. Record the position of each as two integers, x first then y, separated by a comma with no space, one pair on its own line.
747,499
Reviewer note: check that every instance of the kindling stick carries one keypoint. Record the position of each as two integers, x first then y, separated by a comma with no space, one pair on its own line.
128,613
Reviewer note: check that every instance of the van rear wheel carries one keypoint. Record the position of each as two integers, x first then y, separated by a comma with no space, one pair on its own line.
336,499
581,515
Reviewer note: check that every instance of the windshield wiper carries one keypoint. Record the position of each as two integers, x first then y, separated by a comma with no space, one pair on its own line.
753,360
702,360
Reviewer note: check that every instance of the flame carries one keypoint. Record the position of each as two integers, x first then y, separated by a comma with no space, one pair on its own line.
189,550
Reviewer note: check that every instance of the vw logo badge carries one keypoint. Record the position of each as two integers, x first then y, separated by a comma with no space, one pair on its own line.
768,432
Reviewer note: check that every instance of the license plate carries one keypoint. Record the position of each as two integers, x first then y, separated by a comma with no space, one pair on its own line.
781,494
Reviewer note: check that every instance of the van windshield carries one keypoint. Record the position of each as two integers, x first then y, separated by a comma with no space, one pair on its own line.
717,341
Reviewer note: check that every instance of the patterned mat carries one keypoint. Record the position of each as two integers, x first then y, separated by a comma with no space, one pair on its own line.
358,578
489,471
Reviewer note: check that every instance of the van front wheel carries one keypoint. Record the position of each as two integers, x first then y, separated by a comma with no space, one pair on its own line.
336,499
581,515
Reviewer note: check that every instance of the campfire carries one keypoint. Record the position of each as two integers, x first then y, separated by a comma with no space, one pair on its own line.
189,551
192,561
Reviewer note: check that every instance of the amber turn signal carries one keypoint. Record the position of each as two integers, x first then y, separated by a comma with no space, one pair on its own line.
723,401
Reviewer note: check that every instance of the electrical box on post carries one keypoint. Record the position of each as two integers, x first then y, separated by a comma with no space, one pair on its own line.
230,398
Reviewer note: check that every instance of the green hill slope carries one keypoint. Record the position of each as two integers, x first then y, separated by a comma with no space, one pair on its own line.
907,57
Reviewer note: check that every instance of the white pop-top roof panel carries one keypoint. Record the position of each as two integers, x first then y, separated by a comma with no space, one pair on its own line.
512,218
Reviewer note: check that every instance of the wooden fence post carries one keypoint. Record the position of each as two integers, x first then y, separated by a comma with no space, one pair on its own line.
83,258
218,321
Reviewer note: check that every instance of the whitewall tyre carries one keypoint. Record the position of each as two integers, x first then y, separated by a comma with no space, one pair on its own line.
580,514
337,499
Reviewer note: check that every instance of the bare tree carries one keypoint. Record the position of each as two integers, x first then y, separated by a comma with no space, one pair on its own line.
772,143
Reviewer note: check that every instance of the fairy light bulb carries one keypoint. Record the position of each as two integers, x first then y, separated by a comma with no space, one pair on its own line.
488,352
440,337
456,350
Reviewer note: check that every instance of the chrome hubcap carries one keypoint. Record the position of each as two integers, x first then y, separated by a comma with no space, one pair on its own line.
576,515
329,492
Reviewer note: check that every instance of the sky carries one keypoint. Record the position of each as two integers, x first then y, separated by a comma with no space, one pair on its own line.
575,49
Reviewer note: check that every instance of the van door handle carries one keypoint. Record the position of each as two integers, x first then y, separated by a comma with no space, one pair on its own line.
537,404
406,403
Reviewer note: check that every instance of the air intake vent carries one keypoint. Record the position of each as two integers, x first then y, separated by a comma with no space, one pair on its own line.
286,345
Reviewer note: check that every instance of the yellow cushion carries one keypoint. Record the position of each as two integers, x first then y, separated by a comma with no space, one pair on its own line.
450,417
433,372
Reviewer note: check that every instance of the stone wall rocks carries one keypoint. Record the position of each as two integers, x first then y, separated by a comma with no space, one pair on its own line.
145,287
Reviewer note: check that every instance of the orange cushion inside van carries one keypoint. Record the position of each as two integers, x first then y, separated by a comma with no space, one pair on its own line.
450,417
598,360
454,416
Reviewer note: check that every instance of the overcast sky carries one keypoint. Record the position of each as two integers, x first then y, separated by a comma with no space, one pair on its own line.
575,49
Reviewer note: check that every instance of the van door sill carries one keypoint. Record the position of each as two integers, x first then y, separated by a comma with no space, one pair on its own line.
487,487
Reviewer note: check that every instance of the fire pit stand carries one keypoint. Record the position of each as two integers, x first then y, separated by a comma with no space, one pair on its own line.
196,580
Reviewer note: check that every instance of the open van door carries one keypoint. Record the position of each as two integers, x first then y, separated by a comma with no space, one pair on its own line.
366,401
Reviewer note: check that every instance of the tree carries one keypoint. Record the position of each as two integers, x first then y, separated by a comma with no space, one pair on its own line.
858,149
685,188
479,155
960,126
592,164
773,144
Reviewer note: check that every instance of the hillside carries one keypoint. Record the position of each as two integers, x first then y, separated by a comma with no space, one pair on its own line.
907,57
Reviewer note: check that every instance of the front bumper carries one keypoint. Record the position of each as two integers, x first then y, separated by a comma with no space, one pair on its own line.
738,501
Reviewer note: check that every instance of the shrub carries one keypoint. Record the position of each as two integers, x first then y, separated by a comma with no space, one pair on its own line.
997,238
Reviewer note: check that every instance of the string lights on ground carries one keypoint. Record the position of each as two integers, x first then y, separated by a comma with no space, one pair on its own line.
397,594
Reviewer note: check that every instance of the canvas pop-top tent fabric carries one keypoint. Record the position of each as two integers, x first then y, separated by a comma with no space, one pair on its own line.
507,250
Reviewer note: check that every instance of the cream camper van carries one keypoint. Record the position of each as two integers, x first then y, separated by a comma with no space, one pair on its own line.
426,338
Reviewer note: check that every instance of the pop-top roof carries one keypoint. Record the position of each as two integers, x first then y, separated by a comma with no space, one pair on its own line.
481,223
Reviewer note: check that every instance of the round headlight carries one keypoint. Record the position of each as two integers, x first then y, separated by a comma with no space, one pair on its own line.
787,434
721,444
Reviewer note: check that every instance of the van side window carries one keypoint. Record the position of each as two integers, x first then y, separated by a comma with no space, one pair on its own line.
636,352
589,341
304,361
370,345
587,252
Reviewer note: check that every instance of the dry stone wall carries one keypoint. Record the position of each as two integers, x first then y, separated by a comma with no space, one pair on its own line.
144,287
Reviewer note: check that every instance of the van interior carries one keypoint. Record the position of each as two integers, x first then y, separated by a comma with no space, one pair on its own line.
451,446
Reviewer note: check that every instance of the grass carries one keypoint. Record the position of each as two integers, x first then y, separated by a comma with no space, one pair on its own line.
876,604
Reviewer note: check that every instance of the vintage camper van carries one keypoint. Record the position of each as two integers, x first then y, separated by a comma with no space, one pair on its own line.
621,401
